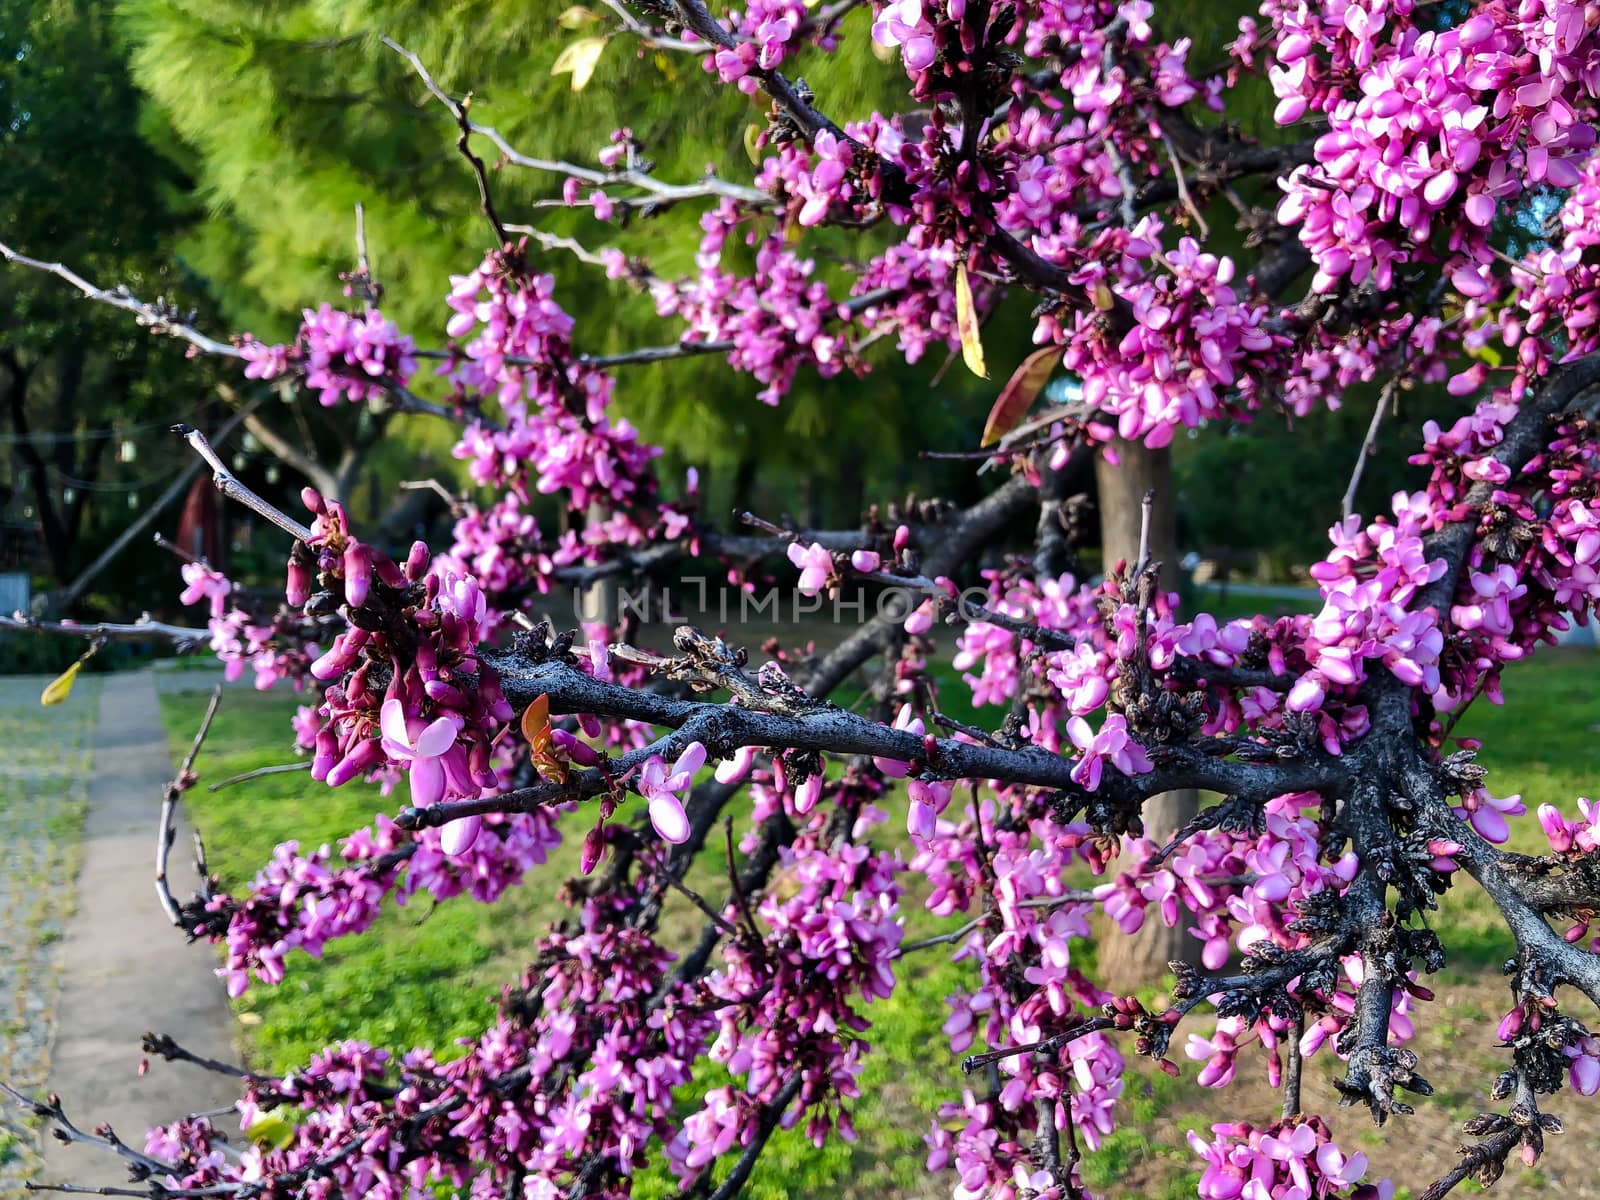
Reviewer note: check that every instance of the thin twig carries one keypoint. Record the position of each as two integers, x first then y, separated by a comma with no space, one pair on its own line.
658,191
143,630
1146,513
159,317
50,1110
1183,186
1368,446
1291,1075
280,769
228,484
167,832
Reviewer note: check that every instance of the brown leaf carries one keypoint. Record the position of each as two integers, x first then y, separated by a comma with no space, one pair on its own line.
1019,393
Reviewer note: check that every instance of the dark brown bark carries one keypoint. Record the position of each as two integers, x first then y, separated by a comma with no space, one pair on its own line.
1128,962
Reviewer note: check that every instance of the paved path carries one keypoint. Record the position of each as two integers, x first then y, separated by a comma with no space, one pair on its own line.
124,969
43,776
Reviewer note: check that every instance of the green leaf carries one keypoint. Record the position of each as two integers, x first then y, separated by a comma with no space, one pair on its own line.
1485,354
1019,393
580,59
577,17
269,1129
967,324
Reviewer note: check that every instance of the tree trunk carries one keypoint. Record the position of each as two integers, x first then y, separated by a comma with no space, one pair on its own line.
57,545
1128,962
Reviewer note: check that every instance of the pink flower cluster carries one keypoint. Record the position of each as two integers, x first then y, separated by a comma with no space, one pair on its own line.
304,901
1194,349
579,1069
1447,124
776,319
829,941
1290,1160
558,437
343,356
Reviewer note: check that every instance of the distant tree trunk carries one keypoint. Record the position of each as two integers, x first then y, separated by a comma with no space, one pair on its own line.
1131,962
55,518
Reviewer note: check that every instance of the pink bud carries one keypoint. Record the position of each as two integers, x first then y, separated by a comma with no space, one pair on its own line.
297,590
458,836
327,754
920,621
417,561
312,499
1306,695
807,795
594,849
367,753
902,535
866,560
1555,828
357,574
1510,1025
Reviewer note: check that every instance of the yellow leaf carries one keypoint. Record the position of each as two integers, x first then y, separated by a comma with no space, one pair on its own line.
60,687
577,17
1104,298
752,140
269,1129
967,324
664,65
1025,384
579,58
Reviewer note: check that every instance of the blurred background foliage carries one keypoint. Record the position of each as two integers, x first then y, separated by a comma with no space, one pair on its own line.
214,151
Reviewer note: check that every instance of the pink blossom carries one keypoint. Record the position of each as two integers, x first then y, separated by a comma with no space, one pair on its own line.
660,785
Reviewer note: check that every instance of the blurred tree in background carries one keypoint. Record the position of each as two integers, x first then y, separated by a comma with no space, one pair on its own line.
85,394
306,113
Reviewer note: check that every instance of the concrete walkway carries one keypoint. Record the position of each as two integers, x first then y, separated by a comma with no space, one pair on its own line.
124,968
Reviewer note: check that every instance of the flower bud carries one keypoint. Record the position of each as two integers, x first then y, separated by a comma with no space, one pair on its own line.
807,795
1510,1025
357,574
417,561
367,753
297,589
458,836
594,849
327,754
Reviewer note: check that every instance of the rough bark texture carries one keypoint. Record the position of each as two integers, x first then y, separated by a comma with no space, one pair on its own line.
1137,961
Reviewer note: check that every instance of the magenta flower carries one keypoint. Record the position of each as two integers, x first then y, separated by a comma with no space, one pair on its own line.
906,722
1111,742
660,785
407,740
1487,814
206,583
816,566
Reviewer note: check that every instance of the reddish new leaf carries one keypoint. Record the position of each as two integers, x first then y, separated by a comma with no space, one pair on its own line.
1019,393
547,759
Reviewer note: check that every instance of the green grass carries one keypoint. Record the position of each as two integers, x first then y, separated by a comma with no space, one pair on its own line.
427,982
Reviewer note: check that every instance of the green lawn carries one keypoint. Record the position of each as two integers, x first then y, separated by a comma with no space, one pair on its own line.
426,977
